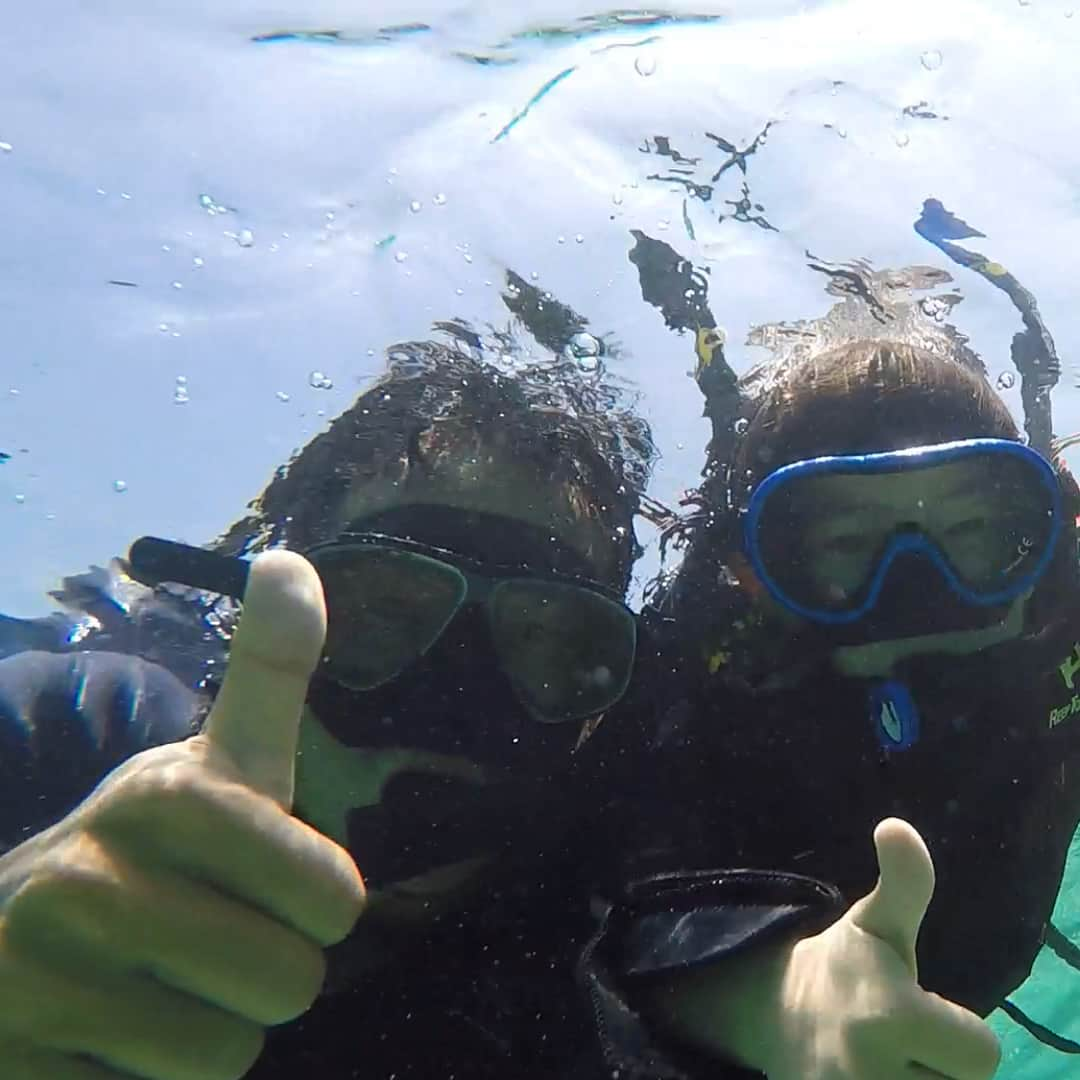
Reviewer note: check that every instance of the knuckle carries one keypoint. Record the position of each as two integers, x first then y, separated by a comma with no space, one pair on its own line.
149,797
347,901
56,884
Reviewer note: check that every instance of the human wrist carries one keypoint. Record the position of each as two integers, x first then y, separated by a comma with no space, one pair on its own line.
728,1009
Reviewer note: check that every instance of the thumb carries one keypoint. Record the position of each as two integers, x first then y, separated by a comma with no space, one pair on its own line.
256,717
894,911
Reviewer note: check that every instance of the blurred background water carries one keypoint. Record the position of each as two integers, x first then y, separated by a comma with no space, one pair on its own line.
217,216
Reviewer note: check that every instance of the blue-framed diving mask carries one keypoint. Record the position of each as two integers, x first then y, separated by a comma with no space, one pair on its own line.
983,515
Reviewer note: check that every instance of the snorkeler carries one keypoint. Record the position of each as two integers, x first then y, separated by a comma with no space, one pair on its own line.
473,534
877,610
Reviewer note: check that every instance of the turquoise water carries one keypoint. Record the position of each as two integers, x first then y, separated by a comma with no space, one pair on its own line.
1051,996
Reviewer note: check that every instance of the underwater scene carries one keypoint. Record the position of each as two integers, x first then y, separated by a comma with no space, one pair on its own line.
541,540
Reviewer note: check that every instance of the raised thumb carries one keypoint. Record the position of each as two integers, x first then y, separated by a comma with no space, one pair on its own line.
894,911
256,717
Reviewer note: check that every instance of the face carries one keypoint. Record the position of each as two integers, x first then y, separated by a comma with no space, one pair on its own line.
971,511
449,728
845,520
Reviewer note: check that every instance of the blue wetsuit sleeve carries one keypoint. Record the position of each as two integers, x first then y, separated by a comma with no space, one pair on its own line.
67,719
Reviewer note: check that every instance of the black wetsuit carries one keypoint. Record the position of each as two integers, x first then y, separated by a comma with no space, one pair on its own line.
535,978
992,784
539,976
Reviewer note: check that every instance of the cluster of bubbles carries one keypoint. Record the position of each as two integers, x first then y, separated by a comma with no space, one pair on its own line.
212,206
934,307
318,380
439,199
180,391
585,349
1006,380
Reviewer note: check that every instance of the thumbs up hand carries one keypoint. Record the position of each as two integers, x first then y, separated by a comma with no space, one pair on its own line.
851,1005
162,925
846,1003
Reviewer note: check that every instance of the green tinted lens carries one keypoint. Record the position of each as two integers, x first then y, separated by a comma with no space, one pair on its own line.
567,650
385,609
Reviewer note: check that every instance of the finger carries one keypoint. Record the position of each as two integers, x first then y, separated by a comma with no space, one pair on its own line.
219,832
948,1040
128,1023
183,933
26,1062
256,716
894,911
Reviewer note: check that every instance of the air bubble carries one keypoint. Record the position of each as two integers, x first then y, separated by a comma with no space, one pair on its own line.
198,262
1006,380
415,206
931,59
400,256
560,239
119,486
20,498
245,238
177,284
617,198
934,307
281,395
439,199
6,147
645,64
211,205
585,349
742,426
164,327
317,380
902,138
579,239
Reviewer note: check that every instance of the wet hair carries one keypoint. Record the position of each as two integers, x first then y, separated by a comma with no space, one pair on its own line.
440,404
868,396
861,397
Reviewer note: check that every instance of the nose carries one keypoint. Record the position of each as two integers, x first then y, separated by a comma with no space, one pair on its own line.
914,597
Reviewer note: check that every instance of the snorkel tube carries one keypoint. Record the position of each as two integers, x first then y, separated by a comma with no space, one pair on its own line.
1033,351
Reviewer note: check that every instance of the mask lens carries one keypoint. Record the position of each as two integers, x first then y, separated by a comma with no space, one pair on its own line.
567,650
991,546
385,609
